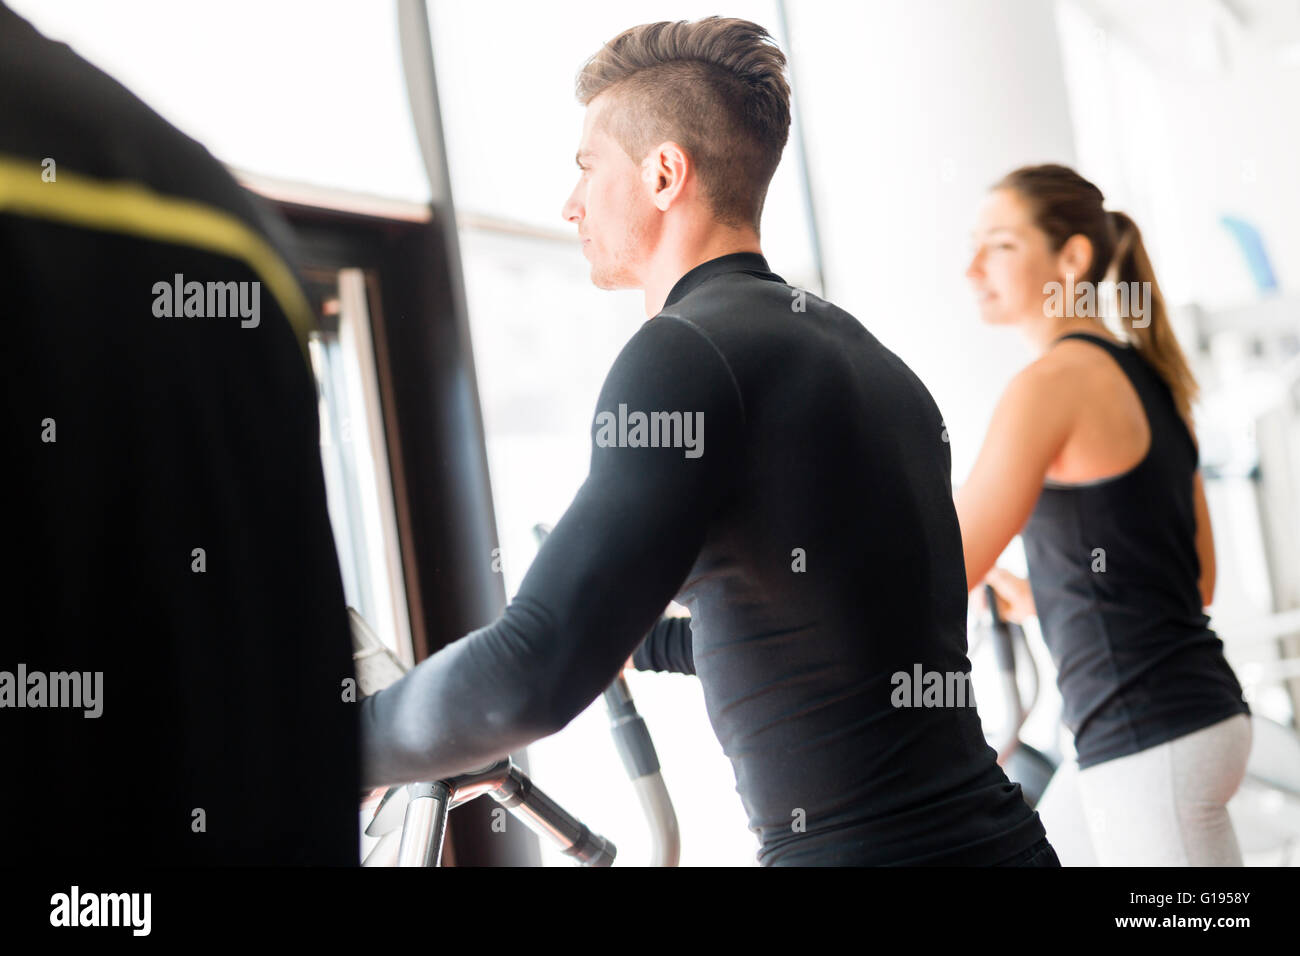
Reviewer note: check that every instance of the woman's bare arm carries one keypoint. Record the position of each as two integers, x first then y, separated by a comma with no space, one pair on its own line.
1204,542
1031,424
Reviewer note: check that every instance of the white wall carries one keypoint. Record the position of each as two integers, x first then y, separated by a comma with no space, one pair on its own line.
912,110
1178,141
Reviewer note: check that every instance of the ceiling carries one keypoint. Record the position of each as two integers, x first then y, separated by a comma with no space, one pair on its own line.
1205,35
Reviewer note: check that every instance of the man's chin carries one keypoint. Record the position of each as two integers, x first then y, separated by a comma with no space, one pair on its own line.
609,281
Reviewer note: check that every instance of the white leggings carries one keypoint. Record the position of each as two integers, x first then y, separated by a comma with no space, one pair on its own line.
1163,806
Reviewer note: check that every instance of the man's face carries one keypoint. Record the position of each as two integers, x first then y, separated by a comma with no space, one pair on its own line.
611,206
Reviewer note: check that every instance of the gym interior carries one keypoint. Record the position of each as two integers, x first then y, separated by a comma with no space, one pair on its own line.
417,157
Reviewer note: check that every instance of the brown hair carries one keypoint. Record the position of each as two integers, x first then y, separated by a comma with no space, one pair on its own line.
716,87
1064,204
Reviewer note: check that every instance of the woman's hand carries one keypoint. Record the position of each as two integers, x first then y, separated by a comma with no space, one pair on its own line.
1015,600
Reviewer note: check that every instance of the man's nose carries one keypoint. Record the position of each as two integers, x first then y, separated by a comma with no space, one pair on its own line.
572,209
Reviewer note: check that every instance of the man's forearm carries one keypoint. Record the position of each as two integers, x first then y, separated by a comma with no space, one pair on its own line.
667,647
464,707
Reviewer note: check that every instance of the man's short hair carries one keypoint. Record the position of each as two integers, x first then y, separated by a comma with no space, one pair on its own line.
714,86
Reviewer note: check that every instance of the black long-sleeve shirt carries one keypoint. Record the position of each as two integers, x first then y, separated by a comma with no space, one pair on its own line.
668,647
806,521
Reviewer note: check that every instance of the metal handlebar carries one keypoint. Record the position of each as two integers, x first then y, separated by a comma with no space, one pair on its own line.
424,823
632,738
1004,651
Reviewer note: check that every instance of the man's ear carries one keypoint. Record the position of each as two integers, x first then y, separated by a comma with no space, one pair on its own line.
650,172
664,172
1075,257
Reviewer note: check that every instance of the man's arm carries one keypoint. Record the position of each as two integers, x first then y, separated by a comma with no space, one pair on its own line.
602,577
667,647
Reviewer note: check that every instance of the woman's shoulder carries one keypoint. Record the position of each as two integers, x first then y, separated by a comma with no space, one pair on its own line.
1056,376
1064,384
1073,369
1078,353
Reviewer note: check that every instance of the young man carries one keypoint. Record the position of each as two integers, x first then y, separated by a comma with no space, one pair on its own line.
759,456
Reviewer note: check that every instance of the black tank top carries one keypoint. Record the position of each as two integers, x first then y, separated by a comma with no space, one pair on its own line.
1114,572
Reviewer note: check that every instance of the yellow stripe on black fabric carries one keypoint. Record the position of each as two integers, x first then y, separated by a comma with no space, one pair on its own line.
129,208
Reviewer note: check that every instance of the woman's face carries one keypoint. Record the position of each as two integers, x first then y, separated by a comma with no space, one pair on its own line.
1011,261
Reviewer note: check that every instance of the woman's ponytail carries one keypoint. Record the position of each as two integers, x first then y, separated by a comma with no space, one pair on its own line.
1142,314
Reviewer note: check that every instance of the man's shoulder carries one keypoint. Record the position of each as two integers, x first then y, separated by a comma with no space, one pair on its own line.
737,296
740,313
718,299
671,340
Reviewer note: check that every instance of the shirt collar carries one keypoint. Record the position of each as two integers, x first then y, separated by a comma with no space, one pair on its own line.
751,262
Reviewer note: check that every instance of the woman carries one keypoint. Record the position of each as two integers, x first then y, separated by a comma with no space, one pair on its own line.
1092,459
